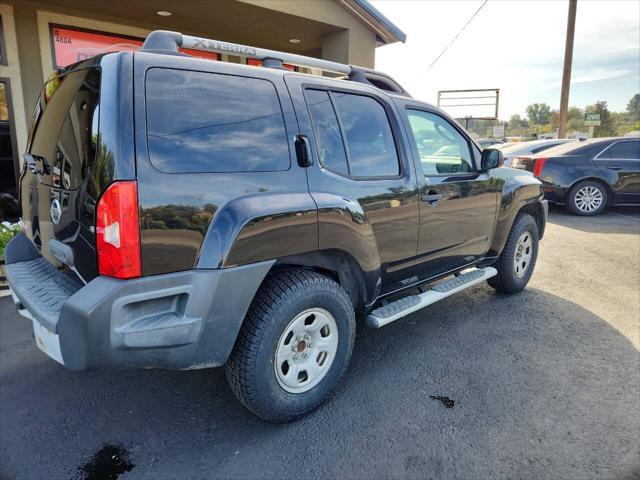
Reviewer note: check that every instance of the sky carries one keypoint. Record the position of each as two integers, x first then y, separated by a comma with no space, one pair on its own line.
518,47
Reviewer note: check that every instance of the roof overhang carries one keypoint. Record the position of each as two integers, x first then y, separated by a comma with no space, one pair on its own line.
386,31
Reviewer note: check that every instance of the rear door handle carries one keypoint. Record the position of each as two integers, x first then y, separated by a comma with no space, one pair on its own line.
614,167
432,197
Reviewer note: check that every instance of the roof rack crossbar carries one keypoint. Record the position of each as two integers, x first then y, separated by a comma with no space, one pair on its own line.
167,42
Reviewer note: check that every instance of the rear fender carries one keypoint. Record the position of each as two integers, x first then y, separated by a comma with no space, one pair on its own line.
260,227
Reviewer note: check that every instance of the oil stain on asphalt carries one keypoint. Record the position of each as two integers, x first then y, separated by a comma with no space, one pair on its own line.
446,401
108,463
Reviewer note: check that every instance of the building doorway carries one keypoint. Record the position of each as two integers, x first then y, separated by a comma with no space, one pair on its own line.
9,210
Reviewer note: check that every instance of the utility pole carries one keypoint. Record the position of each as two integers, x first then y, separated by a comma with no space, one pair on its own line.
566,72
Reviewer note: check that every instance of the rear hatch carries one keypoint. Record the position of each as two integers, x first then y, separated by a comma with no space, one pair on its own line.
57,194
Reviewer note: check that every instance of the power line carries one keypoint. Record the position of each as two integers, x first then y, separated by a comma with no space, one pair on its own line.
457,35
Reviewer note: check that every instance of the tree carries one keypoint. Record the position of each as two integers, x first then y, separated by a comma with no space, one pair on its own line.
575,118
606,127
516,122
538,113
633,108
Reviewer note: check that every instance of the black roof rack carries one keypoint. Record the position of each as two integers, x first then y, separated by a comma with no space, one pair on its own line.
168,43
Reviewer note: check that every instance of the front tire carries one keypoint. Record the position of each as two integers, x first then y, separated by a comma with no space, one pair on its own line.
294,346
587,198
518,258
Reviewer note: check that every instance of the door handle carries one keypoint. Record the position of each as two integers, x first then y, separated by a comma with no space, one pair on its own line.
614,167
303,151
432,197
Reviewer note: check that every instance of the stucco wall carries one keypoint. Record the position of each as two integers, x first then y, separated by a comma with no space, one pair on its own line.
351,41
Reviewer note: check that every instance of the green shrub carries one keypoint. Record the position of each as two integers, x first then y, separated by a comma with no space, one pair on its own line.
7,232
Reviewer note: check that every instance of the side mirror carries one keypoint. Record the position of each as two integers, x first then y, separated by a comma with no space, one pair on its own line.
491,158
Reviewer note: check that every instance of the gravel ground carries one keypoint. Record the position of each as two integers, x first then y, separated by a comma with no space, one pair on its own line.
544,384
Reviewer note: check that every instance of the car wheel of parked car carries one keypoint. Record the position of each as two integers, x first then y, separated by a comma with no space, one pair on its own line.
294,346
587,198
518,258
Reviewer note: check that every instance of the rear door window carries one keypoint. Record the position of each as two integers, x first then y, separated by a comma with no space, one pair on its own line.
353,134
624,150
372,150
208,122
66,127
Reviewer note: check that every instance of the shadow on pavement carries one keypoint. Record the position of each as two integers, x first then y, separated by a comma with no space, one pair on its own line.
542,388
620,220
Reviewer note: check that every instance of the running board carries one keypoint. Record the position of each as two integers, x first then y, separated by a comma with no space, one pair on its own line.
381,316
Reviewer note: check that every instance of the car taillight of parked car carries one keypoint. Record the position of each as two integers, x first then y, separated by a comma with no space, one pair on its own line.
117,231
538,166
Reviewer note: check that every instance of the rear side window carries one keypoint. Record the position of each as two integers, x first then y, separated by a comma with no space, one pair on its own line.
353,134
207,122
65,130
629,150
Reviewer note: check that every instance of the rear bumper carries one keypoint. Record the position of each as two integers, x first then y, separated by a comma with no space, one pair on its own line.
179,320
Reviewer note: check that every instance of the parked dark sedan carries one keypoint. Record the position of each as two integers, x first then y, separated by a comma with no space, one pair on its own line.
590,175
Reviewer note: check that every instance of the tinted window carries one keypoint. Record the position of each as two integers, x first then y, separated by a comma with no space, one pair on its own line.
327,131
372,151
624,150
544,147
66,132
206,122
442,149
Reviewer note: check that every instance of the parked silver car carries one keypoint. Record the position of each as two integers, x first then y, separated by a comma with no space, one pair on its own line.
528,148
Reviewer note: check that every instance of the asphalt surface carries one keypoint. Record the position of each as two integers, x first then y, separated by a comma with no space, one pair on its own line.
544,384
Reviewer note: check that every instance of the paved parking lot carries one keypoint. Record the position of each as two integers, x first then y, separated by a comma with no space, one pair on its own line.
545,384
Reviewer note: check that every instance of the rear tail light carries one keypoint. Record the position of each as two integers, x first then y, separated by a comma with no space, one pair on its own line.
538,166
118,231
514,162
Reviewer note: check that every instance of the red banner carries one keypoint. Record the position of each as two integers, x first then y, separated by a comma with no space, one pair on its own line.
72,45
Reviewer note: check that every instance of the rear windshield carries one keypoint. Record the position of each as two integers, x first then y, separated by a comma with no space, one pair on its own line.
65,126
576,148
207,122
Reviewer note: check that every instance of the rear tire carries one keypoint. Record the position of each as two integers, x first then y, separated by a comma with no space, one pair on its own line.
294,345
587,198
518,258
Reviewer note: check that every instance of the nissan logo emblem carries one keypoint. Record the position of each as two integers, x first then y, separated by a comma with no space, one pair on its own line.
56,211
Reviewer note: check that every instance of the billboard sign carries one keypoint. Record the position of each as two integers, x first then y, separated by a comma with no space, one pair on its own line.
71,45
592,119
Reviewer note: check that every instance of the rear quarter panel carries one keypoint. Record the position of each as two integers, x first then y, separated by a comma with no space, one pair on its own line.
214,220
561,173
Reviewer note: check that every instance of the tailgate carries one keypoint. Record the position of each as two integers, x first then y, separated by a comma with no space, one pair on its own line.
55,186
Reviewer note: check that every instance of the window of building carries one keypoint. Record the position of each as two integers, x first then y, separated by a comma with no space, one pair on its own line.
3,50
71,45
353,134
206,122
629,149
8,159
442,149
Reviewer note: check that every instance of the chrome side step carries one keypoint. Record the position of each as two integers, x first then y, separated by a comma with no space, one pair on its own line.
401,308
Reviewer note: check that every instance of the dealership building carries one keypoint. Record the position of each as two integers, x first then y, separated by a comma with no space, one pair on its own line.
37,37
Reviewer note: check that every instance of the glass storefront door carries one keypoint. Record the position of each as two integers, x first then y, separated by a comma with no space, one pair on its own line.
8,180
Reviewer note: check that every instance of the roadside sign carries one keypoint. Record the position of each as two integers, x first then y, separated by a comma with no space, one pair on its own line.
592,119
498,131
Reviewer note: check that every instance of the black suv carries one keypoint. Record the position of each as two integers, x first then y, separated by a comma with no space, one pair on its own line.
185,213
